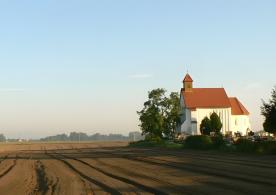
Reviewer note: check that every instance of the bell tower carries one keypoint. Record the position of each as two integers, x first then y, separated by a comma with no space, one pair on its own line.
188,83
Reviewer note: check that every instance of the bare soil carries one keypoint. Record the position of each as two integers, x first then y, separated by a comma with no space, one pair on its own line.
114,168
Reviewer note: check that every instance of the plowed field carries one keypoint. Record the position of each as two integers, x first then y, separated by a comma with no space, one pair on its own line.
113,168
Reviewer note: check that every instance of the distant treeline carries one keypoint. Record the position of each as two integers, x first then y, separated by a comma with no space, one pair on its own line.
76,136
2,138
79,136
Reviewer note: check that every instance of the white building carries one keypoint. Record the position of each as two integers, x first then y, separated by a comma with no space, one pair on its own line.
197,103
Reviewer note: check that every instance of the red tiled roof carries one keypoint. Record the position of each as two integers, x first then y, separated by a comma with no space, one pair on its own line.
236,107
188,78
206,98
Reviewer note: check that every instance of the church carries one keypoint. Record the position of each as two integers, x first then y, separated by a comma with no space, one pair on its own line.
197,103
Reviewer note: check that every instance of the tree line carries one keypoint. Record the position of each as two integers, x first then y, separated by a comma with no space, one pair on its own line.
79,136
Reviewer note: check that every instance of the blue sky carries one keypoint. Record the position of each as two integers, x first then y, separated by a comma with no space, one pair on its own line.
87,65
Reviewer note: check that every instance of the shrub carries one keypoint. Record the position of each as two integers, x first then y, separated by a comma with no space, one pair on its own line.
218,141
227,148
267,147
153,143
145,143
205,126
198,142
153,138
245,145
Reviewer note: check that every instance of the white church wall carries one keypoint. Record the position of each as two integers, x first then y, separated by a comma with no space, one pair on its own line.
190,127
186,127
194,123
240,123
223,113
185,118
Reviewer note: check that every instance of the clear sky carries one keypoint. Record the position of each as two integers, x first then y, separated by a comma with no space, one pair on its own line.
87,65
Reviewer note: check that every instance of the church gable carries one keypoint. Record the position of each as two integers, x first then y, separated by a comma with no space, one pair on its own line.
236,107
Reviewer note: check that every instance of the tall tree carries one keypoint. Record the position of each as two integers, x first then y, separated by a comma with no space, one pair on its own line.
172,114
268,110
215,123
160,114
152,115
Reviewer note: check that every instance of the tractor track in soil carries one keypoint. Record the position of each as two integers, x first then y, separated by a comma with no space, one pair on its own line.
140,175
203,170
206,157
191,167
179,189
97,168
120,178
86,177
6,171
228,186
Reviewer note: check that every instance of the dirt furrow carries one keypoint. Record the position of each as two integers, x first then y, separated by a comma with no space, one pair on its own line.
182,187
183,155
232,169
123,179
42,181
194,168
62,180
90,179
181,178
3,158
19,178
221,159
199,155
110,168
219,171
149,176
2,174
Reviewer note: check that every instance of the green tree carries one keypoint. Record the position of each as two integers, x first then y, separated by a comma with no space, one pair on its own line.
215,123
160,114
172,114
205,126
268,110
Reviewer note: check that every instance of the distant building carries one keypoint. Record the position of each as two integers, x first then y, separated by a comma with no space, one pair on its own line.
197,103
136,136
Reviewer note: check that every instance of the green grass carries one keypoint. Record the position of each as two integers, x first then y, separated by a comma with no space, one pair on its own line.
162,144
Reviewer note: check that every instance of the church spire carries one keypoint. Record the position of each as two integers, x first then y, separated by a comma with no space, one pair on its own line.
188,83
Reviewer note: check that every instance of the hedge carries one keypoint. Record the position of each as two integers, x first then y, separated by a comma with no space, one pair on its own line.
199,142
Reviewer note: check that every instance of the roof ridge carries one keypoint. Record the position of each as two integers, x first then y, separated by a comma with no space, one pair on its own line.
239,104
206,98
208,88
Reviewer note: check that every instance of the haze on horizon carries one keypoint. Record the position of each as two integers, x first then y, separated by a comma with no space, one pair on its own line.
88,65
